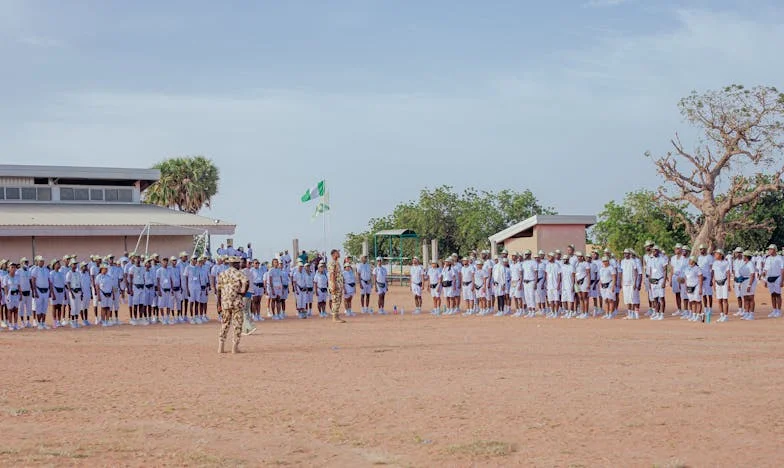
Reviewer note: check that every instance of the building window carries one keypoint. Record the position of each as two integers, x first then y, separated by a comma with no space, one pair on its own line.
28,193
82,194
12,193
66,194
2,193
44,194
96,194
111,195
125,195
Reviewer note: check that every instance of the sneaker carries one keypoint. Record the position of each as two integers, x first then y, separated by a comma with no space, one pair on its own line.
74,325
772,314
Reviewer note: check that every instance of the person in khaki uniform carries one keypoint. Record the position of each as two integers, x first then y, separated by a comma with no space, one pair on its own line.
232,286
335,275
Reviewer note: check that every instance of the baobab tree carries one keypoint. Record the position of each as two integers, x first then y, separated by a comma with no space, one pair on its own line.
738,158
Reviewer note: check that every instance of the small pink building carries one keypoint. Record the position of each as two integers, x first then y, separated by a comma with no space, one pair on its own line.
543,232
57,210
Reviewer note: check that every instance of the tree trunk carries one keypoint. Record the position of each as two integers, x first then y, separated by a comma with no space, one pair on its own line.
706,235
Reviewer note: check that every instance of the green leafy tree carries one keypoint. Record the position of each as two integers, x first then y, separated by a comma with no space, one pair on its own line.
641,216
460,222
187,184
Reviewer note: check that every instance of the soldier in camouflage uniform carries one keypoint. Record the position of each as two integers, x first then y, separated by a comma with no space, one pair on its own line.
232,286
335,275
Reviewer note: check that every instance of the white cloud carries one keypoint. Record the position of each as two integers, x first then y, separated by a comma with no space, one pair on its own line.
604,3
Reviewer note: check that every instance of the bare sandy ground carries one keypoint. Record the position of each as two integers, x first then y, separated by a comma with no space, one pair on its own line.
398,391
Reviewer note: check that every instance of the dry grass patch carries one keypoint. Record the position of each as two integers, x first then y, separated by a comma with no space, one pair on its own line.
483,449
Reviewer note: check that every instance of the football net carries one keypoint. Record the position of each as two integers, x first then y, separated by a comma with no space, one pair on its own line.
201,237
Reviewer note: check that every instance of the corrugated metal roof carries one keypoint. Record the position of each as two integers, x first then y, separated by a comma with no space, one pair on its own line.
76,172
396,232
109,219
541,219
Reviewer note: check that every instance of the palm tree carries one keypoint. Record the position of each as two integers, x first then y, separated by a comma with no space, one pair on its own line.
187,184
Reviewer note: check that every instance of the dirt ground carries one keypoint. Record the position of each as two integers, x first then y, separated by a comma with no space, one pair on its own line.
398,391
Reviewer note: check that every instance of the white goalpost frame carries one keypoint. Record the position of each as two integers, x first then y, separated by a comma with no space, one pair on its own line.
201,238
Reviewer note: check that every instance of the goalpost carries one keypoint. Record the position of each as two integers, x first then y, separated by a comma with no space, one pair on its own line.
201,237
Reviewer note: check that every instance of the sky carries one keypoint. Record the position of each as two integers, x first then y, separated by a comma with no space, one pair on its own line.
380,98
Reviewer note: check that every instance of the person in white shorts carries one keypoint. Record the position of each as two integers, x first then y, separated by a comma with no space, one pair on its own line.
299,280
735,264
480,287
516,293
747,277
693,281
552,280
349,285
73,288
163,289
541,287
721,277
321,283
417,277
498,281
448,279
608,275
12,292
657,277
380,283
677,264
365,277
433,276
467,290
593,292
567,289
772,272
630,278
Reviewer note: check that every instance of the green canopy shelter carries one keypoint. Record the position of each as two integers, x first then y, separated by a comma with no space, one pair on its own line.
395,238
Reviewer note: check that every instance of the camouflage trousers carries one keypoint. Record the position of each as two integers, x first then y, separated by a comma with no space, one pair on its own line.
337,301
227,317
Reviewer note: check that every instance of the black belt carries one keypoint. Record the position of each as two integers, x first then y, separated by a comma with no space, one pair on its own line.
59,290
25,293
42,290
13,293
138,286
149,286
654,280
446,284
77,290
740,279
323,290
176,289
258,285
721,282
166,290
351,285
204,288
106,294
467,283
528,281
772,279
418,284
381,285
433,286
606,285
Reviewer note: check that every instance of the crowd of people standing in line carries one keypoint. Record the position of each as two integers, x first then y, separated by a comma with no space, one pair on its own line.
570,284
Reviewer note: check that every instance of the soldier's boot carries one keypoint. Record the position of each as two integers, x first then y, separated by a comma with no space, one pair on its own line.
220,347
235,348
337,319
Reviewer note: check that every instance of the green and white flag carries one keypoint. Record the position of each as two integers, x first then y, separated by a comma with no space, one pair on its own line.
322,207
317,191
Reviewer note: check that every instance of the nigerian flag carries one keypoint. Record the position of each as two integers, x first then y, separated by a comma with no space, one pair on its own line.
322,206
317,191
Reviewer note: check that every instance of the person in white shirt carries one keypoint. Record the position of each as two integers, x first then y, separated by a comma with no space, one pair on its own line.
582,278
646,284
735,264
747,277
721,277
657,277
299,281
321,283
552,280
677,264
417,276
380,283
693,281
104,287
541,287
516,284
434,285
274,288
530,277
567,289
57,285
772,272
607,278
39,275
480,286
467,290
365,273
705,261
12,292
349,285
498,279
448,279
630,278
163,289
73,288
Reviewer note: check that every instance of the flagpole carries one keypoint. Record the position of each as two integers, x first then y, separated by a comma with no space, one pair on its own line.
326,240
